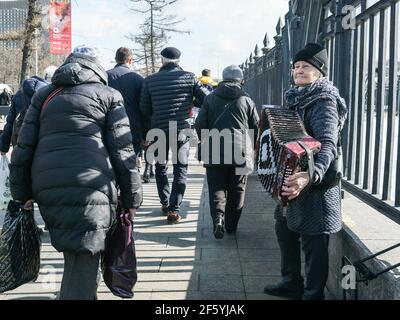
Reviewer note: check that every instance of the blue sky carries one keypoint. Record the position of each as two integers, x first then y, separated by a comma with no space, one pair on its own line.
224,32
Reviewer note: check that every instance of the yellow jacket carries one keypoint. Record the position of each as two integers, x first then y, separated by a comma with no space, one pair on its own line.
208,81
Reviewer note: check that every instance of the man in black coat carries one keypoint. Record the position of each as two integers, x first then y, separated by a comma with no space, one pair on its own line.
166,102
129,84
73,154
228,109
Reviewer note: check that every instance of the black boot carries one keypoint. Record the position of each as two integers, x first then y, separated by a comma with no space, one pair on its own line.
286,290
219,228
152,175
146,179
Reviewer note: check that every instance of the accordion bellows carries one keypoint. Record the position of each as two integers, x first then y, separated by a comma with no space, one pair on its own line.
281,148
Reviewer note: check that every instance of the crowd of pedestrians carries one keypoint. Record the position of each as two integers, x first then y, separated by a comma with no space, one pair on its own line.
80,132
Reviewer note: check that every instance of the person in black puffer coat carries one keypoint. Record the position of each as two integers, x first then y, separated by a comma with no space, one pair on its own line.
315,214
72,156
166,103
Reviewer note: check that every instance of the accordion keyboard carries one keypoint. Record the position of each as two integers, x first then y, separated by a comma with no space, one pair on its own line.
280,154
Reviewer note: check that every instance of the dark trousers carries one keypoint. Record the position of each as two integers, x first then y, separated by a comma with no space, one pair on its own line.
148,169
227,193
173,198
81,276
315,249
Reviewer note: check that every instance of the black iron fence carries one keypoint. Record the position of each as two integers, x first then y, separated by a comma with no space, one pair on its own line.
363,42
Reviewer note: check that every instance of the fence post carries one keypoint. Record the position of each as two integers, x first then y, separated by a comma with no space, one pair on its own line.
343,61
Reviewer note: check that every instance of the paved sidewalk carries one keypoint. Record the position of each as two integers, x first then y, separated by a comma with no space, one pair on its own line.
185,261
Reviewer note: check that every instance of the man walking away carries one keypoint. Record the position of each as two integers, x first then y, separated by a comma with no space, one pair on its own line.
167,96
129,84
227,108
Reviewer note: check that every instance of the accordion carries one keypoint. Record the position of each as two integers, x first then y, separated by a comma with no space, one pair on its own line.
284,149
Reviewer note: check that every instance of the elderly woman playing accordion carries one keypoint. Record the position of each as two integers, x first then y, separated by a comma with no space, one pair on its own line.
314,209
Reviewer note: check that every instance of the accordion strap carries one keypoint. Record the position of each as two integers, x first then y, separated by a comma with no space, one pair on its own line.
310,158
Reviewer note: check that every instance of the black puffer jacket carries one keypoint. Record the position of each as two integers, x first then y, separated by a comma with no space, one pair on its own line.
227,108
72,156
168,96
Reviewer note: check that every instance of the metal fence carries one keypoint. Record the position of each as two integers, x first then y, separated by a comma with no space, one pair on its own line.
363,43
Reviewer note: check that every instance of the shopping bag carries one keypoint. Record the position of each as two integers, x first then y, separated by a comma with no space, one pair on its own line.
119,258
5,193
19,248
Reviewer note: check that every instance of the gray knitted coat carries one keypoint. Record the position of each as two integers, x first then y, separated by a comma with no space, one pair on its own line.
324,112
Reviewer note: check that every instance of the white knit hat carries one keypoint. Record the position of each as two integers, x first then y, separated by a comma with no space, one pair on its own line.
93,52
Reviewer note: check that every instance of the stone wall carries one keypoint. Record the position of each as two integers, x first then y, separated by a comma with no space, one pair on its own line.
366,232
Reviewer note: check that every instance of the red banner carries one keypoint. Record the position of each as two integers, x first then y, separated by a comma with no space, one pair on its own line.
60,26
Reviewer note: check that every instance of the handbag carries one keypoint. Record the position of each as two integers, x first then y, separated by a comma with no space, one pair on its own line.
19,248
118,261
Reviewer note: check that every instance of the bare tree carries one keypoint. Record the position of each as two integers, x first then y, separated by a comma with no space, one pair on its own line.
154,30
33,23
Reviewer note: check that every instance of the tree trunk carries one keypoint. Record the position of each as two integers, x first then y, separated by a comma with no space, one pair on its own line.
29,38
146,60
152,53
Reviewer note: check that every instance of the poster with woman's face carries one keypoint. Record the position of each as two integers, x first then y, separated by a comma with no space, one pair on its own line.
60,26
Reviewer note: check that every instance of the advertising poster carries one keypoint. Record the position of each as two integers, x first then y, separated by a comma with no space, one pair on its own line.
60,26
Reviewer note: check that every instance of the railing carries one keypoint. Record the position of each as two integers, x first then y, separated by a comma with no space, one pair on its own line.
363,42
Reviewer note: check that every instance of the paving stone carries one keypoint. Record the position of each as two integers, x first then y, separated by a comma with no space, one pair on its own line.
256,284
222,254
172,295
221,283
168,253
262,296
29,297
266,243
207,295
259,255
168,285
255,233
225,267
267,268
204,243
162,276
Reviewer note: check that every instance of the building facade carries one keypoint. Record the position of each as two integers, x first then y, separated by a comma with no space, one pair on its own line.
13,15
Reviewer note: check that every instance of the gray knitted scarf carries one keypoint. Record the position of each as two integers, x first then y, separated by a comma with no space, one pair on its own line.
322,89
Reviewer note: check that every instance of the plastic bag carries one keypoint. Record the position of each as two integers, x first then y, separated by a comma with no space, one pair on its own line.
5,193
19,248
119,258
